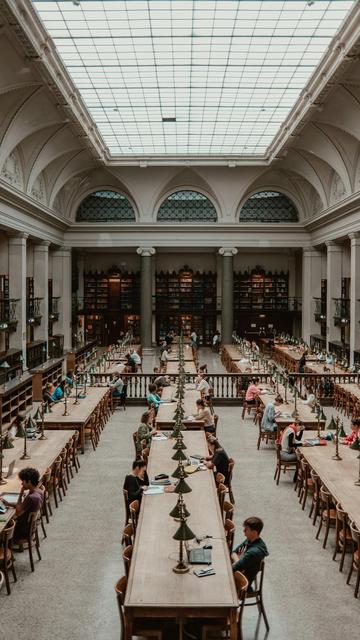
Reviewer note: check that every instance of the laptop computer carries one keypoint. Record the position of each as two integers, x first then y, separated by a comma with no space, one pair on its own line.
199,556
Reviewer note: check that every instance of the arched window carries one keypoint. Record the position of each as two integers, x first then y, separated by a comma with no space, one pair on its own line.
269,206
187,206
105,206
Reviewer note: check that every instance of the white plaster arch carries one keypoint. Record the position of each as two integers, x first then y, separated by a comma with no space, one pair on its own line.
79,162
12,171
187,187
301,165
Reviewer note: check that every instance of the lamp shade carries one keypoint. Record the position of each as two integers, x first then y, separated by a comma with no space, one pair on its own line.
355,445
179,472
180,444
183,532
5,365
322,415
179,455
7,444
342,432
179,510
332,424
182,487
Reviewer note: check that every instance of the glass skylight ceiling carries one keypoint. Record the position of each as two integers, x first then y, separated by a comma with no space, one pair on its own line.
224,73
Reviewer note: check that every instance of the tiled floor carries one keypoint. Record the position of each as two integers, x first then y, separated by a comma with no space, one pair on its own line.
70,595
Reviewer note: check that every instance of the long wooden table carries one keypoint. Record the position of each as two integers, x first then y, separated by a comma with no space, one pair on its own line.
78,414
289,357
173,367
338,476
102,375
42,455
165,414
154,590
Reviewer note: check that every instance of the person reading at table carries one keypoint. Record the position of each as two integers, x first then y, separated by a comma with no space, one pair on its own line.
270,414
48,393
70,378
137,481
290,440
218,459
355,433
204,413
30,500
310,398
253,391
145,432
117,385
201,372
203,386
59,392
248,555
153,397
160,381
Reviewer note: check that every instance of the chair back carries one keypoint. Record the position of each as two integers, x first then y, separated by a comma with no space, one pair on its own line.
325,497
231,464
229,527
228,510
126,501
145,454
6,537
355,534
259,579
219,478
120,590
242,585
216,420
134,435
134,513
128,534
32,523
341,515
221,494
127,555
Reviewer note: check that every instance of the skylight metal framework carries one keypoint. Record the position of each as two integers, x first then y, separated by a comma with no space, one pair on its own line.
199,77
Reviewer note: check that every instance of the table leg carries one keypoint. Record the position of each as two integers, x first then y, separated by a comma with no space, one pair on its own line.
233,625
82,438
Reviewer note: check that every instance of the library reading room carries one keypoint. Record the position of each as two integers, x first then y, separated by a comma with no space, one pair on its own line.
179,319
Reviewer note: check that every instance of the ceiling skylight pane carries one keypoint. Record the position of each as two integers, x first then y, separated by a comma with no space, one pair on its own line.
229,71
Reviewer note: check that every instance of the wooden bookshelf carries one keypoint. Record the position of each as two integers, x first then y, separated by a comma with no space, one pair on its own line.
51,371
318,342
56,346
82,355
13,358
186,299
15,398
258,290
35,353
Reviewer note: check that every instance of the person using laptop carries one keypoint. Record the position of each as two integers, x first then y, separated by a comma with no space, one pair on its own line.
204,413
248,555
30,499
270,414
218,459
137,481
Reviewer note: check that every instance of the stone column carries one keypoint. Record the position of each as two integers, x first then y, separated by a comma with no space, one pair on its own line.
333,275
17,290
62,288
227,303
146,254
41,290
311,288
354,295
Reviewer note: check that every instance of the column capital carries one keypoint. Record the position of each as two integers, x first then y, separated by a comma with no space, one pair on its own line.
354,236
228,252
333,245
65,250
145,251
42,245
15,237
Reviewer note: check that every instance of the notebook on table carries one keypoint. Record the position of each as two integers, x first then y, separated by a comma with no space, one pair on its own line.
199,556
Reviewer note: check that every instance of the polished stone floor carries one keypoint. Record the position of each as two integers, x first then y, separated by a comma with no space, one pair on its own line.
71,595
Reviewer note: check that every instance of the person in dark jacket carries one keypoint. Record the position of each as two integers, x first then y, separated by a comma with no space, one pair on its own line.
137,481
218,460
248,555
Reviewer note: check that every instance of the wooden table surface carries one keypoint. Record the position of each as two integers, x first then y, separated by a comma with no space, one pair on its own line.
173,367
337,475
233,352
78,414
111,367
153,588
350,388
42,455
165,414
294,353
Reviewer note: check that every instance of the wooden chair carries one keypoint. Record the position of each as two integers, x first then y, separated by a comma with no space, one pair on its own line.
1,580
68,462
74,452
315,495
128,535
230,474
90,432
145,454
343,538
298,478
216,420
355,562
248,407
307,485
228,510
6,553
283,465
256,594
142,628
221,494
32,537
134,509
223,624
327,513
127,555
219,478
134,437
229,527
265,436
56,481
46,482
